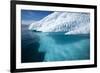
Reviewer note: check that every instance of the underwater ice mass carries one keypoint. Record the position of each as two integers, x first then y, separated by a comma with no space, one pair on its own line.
59,36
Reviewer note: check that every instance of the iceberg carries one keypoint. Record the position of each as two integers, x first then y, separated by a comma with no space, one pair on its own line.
81,30
67,22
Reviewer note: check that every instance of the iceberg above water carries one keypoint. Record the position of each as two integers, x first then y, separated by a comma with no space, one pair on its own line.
81,30
67,22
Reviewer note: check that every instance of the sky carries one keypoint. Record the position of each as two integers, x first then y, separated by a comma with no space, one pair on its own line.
27,16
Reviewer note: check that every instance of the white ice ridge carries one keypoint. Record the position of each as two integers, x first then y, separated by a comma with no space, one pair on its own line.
68,22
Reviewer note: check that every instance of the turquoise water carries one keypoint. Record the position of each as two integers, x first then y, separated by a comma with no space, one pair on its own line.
43,47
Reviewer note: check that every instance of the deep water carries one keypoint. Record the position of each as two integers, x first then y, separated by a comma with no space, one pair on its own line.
42,47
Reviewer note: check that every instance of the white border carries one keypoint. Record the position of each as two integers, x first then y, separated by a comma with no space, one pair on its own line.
20,65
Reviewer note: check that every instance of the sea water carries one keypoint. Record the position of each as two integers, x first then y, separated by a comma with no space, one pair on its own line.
53,46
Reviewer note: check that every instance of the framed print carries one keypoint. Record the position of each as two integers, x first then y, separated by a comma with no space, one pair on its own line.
52,36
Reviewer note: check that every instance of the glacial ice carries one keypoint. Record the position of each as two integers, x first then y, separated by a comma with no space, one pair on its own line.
67,22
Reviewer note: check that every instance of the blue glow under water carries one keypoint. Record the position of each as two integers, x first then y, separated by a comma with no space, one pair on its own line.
40,46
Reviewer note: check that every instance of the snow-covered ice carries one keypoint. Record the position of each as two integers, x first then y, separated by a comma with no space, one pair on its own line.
67,22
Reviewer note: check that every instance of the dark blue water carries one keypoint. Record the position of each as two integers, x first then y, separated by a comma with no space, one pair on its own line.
41,46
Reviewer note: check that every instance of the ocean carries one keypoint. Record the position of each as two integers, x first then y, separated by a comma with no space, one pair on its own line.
53,46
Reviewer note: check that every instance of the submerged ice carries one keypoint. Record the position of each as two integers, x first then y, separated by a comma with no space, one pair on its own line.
67,22
59,47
